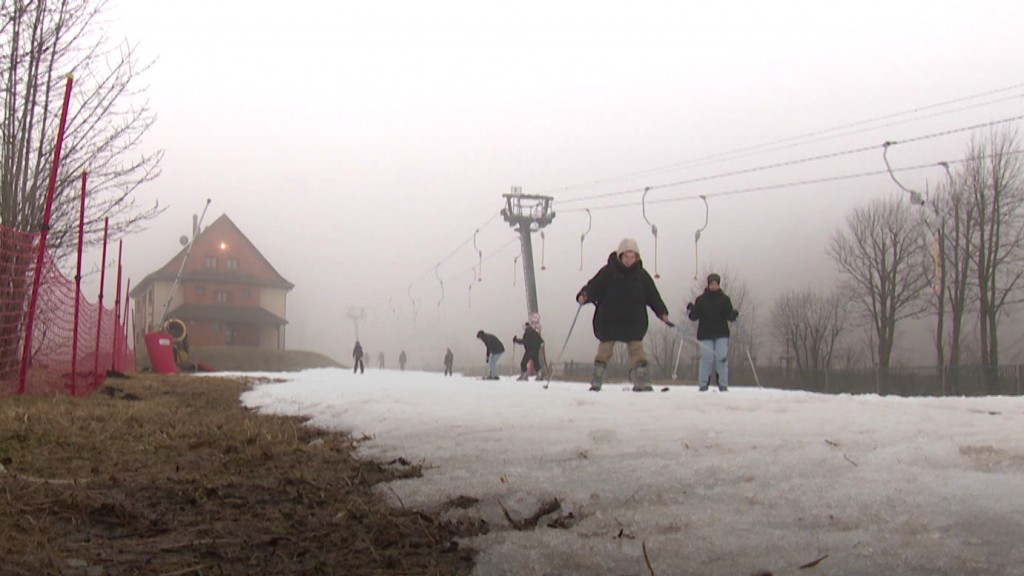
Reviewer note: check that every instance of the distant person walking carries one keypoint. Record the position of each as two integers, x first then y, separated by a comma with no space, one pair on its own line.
713,311
380,360
494,351
449,359
531,341
401,360
621,292
357,358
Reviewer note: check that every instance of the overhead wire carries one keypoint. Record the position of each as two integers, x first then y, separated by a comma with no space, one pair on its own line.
770,146
796,162
770,187
808,137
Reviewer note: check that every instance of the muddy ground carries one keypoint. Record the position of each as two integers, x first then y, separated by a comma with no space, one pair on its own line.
158,474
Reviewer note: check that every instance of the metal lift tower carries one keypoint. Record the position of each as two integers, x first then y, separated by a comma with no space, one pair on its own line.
356,314
527,213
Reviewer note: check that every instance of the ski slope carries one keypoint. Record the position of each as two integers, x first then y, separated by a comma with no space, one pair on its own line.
751,481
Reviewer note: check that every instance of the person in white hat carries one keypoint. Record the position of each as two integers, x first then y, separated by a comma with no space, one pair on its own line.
622,291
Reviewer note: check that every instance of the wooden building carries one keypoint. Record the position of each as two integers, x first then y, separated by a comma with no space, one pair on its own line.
228,293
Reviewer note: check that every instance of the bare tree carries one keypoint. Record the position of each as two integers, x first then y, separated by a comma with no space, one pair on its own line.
954,288
880,254
808,325
41,41
993,178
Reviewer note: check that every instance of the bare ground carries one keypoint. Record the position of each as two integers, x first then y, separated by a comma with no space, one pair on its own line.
170,475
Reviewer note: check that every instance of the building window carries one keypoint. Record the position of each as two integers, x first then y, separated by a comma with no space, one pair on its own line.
200,290
246,293
211,262
222,297
231,263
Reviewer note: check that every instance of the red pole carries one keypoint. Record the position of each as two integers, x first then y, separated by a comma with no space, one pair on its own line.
78,288
43,229
99,303
117,311
124,331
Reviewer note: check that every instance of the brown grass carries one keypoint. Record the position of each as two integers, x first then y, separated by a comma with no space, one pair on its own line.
170,475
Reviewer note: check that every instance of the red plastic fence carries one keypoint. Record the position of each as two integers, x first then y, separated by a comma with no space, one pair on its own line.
48,370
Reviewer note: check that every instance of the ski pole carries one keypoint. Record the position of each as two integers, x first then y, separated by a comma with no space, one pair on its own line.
544,362
679,351
749,358
566,343
567,336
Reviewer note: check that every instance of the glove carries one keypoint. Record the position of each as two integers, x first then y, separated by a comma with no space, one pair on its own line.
689,306
734,315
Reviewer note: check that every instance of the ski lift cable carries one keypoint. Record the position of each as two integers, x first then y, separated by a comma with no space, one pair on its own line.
480,255
915,197
772,187
797,161
814,136
654,229
440,300
423,276
696,237
590,222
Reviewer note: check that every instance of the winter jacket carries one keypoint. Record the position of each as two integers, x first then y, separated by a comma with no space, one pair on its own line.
494,346
357,352
449,358
622,296
713,309
531,339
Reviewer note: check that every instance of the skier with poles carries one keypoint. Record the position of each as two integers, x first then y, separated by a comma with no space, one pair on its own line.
531,341
621,292
713,311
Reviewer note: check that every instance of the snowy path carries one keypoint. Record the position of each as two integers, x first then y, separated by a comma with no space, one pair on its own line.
751,481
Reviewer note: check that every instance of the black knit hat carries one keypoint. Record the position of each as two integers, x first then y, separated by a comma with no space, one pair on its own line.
714,278
479,333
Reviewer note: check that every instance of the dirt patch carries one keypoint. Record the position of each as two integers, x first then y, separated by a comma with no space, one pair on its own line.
171,475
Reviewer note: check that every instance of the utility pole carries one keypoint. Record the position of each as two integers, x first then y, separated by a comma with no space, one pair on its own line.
356,314
527,213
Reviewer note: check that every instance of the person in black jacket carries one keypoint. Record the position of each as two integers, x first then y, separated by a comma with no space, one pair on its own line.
357,358
531,341
713,310
449,358
622,291
494,351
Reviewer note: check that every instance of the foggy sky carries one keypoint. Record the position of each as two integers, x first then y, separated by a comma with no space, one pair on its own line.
359,146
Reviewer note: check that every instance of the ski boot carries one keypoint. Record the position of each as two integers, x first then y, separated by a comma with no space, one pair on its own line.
641,378
522,377
721,387
597,379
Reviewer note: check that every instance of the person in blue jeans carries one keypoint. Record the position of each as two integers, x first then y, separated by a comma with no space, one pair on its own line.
713,311
494,351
